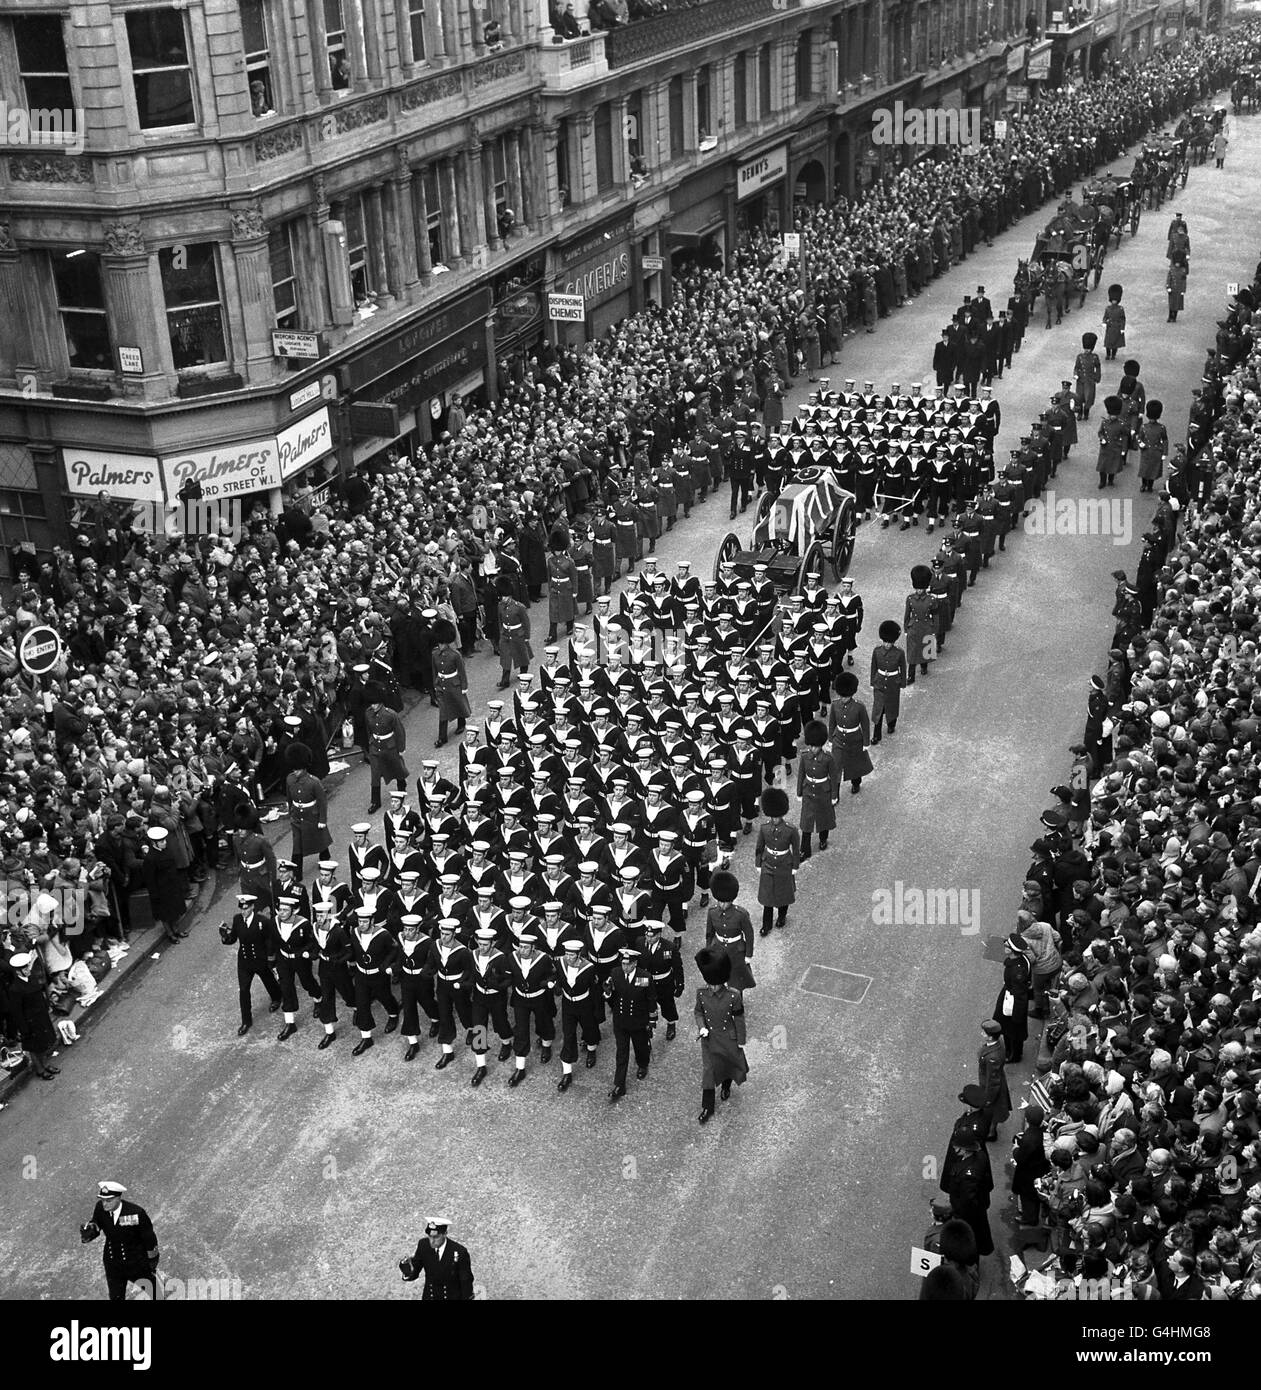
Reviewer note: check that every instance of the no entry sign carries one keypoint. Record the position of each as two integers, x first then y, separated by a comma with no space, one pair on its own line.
39,650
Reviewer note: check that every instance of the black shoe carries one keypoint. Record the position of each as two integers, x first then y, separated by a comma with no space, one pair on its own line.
361,1047
764,931
641,1072
725,1093
412,1050
375,806
505,1052
444,1061
616,1094
517,1077
671,1030
565,1082
391,1023
590,1059
875,738
325,1041
706,1115
433,1030
243,1029
545,1054
478,1077
286,1032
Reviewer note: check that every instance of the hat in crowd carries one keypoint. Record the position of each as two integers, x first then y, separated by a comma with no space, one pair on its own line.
724,886
889,631
774,802
714,964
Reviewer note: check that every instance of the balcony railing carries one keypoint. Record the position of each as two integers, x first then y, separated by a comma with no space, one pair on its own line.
667,33
573,62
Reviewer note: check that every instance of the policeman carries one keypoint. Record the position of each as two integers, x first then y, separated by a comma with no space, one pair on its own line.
308,806
387,740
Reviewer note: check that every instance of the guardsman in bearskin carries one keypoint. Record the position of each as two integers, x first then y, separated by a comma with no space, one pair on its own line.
387,740
250,932
818,785
1087,373
450,684
850,728
308,806
731,927
777,854
720,1030
920,622
562,585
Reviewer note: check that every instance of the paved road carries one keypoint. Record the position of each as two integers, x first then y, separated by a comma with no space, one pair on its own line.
306,1174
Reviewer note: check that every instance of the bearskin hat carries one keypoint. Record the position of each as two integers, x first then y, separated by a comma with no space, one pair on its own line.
846,683
1155,409
297,757
1114,293
444,631
774,802
958,1243
724,885
889,630
558,540
1112,404
816,734
921,576
714,965
1088,341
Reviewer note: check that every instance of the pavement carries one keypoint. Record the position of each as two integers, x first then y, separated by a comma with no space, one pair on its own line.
306,1174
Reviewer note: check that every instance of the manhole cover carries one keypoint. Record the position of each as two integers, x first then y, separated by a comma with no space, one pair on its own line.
835,984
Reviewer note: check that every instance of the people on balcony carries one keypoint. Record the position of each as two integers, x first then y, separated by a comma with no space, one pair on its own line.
564,21
608,14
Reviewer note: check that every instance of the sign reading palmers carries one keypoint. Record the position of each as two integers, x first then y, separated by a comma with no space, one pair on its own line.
304,442
229,470
133,477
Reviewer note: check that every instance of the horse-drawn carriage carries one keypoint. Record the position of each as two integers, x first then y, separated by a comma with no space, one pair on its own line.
1118,206
805,529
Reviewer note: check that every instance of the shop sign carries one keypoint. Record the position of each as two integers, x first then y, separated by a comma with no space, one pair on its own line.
229,470
760,173
135,477
304,441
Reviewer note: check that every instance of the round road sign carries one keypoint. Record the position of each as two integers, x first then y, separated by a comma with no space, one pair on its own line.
40,650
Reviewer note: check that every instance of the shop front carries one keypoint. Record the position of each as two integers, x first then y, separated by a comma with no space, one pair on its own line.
761,184
518,298
598,267
808,164
698,219
415,370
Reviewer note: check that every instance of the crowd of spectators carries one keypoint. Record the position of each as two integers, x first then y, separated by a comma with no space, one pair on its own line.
192,661
1138,1166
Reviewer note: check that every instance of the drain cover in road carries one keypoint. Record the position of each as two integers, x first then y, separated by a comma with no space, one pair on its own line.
831,983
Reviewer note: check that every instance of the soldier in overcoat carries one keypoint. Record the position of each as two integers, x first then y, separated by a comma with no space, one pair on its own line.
777,854
818,785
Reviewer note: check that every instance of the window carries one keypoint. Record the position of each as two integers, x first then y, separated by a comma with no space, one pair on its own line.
676,117
764,80
604,147
24,517
497,172
335,44
43,65
703,122
357,249
257,57
416,27
805,65
81,304
159,68
433,214
562,161
741,90
633,137
282,252
194,307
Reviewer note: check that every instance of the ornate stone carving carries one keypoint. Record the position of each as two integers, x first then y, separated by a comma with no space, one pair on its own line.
319,191
248,223
402,163
276,143
448,84
124,238
348,118
496,69
8,242
31,168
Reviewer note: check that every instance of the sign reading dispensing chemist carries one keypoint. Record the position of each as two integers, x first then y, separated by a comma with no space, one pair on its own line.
760,173
231,470
566,308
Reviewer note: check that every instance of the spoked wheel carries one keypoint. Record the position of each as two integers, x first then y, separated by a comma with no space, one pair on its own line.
728,549
843,529
814,561
764,504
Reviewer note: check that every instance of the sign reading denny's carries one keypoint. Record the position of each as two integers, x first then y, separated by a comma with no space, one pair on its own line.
229,470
